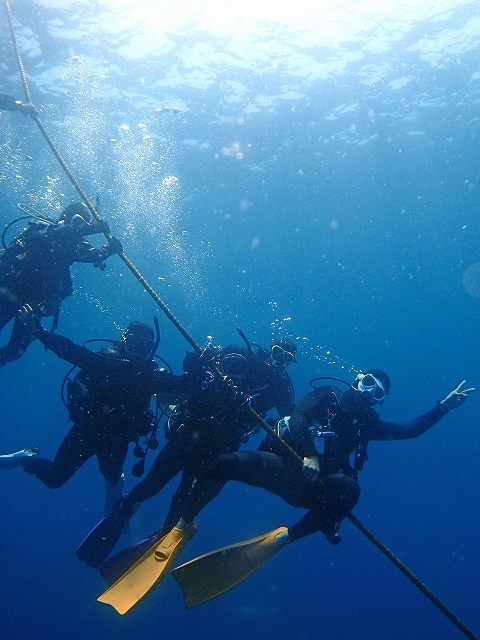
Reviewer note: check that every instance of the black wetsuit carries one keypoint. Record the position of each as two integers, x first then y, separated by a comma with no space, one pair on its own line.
35,269
344,425
204,428
114,409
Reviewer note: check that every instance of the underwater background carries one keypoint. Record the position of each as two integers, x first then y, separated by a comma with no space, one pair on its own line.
310,171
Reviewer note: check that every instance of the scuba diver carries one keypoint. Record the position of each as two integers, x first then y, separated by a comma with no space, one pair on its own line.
330,429
108,401
8,103
35,268
201,429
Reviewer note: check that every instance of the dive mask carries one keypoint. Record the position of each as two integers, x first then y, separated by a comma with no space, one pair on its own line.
137,346
281,356
367,383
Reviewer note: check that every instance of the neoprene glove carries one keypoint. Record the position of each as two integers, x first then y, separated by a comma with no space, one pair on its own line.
194,362
27,108
311,468
102,226
29,319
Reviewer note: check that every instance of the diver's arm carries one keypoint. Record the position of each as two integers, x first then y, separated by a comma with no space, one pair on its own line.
383,430
68,350
10,104
169,388
65,348
86,252
72,238
285,400
96,227
303,415
196,381
303,442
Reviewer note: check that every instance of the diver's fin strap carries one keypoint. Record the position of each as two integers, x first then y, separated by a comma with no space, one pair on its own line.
214,573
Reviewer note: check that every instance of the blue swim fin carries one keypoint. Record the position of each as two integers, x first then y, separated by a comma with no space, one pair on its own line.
99,543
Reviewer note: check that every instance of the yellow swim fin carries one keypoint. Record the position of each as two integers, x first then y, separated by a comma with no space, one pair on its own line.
214,573
147,572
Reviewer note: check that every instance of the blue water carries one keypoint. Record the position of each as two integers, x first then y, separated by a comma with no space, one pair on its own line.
316,173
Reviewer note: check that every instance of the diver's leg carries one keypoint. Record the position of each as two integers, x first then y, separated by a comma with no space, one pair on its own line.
256,468
168,463
328,507
101,540
179,499
75,449
329,501
111,456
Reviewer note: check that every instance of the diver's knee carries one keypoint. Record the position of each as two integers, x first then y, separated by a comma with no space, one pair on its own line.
348,493
55,482
223,466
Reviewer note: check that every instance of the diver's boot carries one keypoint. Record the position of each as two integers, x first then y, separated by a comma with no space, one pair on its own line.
330,529
15,460
149,570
